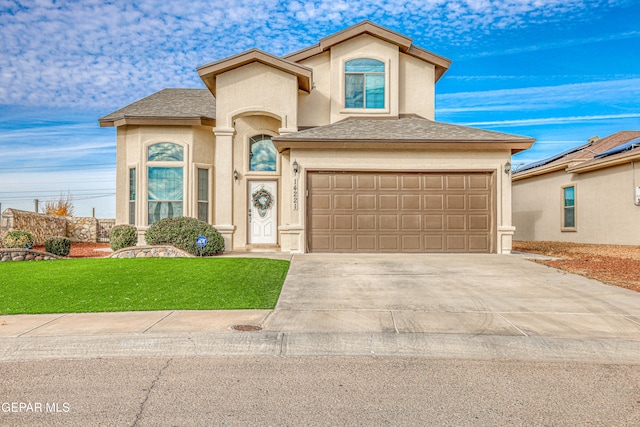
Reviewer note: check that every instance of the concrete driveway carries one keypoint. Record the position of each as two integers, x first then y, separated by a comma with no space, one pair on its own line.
450,294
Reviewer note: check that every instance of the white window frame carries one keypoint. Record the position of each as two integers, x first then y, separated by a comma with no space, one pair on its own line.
387,89
196,193
184,164
563,208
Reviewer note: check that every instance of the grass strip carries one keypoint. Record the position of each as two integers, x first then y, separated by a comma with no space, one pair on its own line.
101,285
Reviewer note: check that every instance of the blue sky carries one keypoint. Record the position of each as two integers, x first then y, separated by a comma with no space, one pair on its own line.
561,71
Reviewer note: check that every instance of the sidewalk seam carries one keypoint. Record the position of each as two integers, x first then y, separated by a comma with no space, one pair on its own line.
632,320
511,323
395,326
41,325
158,321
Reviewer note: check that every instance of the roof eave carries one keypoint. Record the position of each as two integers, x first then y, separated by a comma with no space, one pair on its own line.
441,63
517,176
209,72
404,44
604,163
157,120
398,144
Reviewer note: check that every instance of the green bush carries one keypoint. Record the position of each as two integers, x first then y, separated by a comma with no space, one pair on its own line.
182,233
123,236
18,239
58,246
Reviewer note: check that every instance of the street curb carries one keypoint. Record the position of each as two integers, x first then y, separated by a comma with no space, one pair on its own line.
274,344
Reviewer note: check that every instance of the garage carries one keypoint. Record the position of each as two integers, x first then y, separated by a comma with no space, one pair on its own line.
415,212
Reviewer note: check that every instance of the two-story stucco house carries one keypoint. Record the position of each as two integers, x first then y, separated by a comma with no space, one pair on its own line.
333,148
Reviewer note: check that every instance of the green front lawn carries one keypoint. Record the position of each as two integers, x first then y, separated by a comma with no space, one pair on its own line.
97,285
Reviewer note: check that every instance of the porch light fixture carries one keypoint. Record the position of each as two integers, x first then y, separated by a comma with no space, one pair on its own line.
507,168
295,167
235,174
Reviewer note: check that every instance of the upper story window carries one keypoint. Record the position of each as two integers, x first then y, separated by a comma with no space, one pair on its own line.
262,154
364,83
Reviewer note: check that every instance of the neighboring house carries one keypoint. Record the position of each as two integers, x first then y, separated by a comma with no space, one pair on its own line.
333,148
589,194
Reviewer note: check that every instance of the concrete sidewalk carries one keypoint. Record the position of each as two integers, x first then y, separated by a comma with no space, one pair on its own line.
471,306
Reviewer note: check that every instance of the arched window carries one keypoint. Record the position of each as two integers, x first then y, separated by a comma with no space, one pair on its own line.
165,182
364,83
262,154
165,152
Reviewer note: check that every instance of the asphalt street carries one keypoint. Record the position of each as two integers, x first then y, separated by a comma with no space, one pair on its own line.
318,391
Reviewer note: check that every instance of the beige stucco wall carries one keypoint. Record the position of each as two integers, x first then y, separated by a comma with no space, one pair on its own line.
417,87
293,236
314,109
131,152
605,210
256,88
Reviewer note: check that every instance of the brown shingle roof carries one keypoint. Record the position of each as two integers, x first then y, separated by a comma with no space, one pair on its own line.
405,129
404,133
168,104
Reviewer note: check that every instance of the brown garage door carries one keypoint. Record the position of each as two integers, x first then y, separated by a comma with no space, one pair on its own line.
400,212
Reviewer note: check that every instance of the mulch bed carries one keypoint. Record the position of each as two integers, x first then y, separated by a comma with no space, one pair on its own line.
612,264
84,250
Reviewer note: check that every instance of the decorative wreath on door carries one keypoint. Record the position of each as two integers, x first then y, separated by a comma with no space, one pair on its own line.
262,199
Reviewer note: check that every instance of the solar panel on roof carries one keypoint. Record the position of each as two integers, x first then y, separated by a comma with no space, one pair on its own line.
553,158
627,146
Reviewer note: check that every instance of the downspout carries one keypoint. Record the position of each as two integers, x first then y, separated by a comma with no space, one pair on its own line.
636,195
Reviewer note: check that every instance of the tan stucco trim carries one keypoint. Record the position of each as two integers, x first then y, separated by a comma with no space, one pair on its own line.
283,145
159,121
209,72
605,163
367,27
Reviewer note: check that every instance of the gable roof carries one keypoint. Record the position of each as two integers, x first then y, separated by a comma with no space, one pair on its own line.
367,27
209,72
405,132
168,106
596,154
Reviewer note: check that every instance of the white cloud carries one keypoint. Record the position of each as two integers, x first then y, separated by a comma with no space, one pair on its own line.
554,120
93,53
627,92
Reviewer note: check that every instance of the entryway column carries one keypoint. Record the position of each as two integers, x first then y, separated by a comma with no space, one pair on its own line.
292,228
223,185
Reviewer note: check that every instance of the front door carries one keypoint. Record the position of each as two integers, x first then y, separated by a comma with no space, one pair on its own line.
263,212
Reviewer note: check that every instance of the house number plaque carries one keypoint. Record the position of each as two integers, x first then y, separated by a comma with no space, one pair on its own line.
295,194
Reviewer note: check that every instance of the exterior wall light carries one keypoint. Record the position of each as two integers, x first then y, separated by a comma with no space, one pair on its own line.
235,174
295,167
507,168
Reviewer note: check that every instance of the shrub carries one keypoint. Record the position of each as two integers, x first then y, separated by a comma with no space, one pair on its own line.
18,239
63,206
58,246
182,233
123,236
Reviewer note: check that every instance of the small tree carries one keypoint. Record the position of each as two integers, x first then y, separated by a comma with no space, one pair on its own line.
63,206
